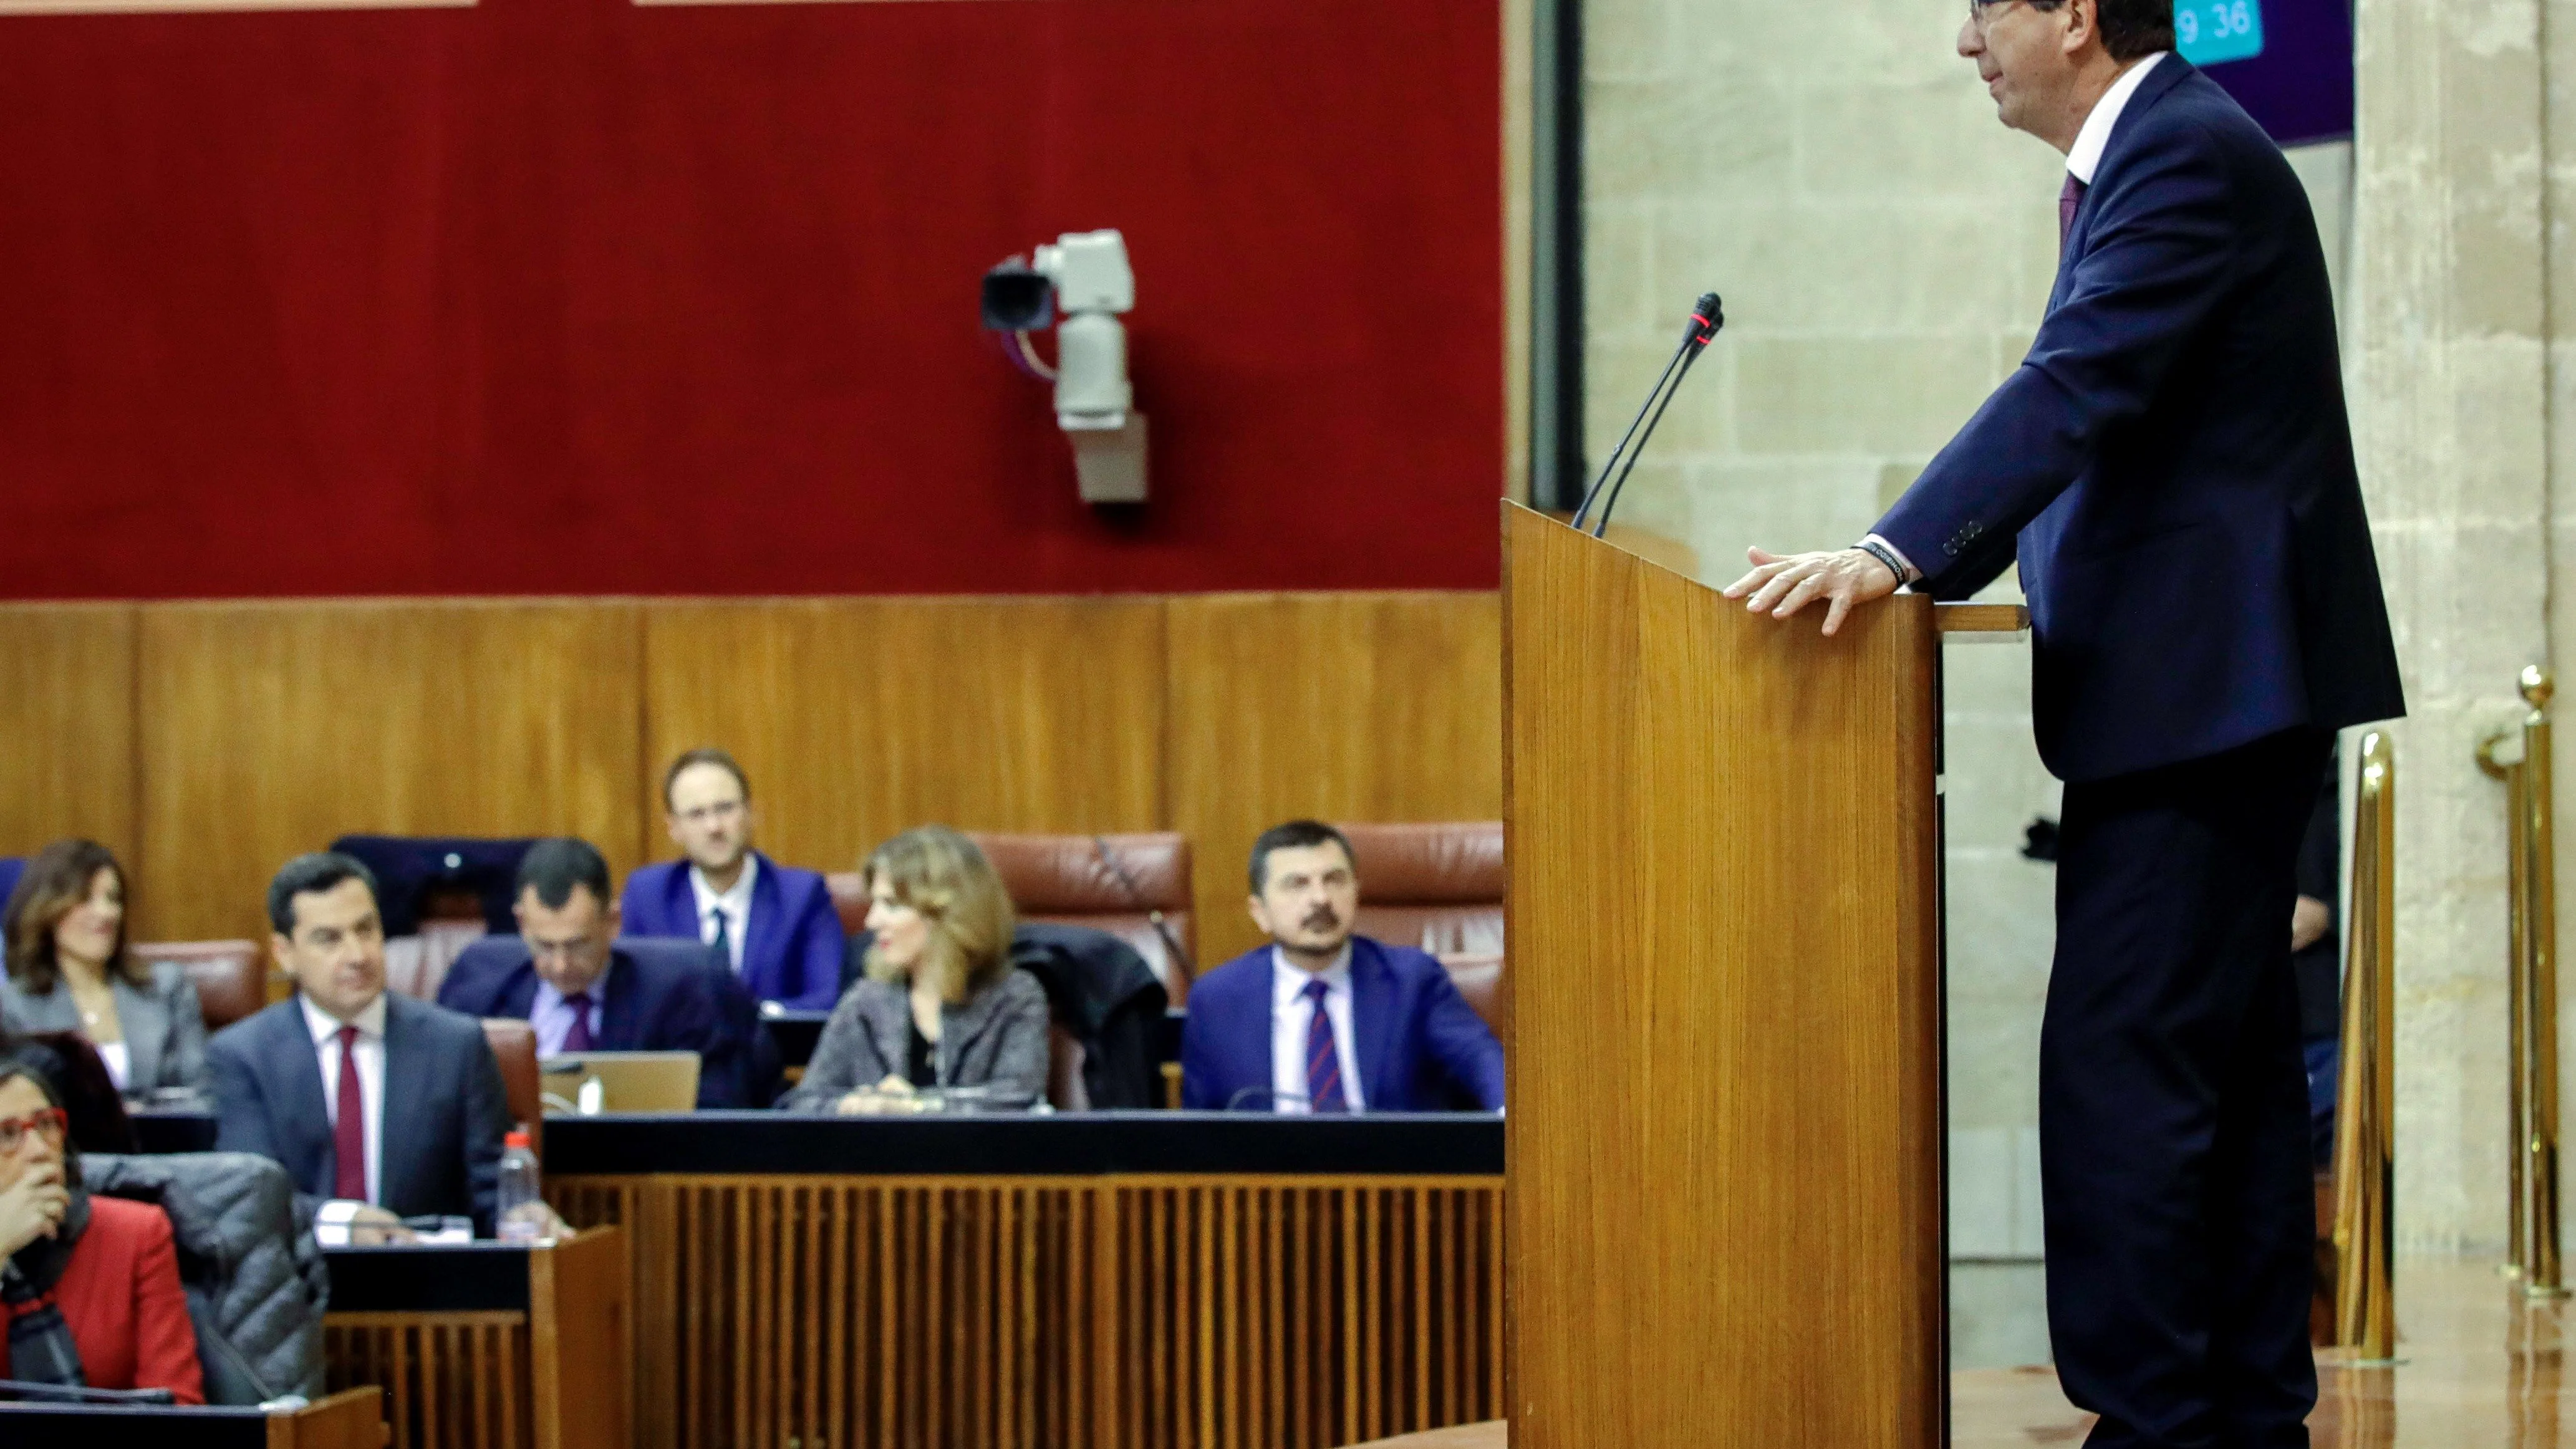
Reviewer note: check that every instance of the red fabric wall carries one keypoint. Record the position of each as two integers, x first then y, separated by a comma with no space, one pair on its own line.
567,296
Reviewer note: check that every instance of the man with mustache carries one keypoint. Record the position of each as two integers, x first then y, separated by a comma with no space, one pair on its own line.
1325,1021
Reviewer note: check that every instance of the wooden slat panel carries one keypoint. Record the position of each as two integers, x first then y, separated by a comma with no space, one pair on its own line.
1181,1312
858,718
451,1380
272,728
67,711
1335,706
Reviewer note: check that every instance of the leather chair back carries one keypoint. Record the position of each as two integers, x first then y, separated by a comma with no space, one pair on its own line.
231,977
1437,887
514,1043
1480,980
1136,887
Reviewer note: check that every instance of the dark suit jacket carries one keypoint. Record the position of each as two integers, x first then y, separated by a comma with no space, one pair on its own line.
2172,462
443,1117
791,950
658,996
1421,1047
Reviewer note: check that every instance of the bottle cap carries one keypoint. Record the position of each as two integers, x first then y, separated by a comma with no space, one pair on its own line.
514,1139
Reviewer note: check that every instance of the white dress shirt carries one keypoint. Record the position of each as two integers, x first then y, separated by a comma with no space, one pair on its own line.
2082,160
1290,1015
2085,156
735,903
551,1016
371,1076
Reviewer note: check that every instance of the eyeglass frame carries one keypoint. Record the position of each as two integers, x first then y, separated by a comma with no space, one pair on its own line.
1979,9
14,1130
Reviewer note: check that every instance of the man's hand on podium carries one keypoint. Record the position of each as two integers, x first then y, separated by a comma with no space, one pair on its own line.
1785,583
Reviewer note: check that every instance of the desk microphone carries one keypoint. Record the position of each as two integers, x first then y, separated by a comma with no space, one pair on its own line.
1706,318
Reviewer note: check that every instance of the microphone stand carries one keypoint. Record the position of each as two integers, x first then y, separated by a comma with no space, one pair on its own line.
1706,319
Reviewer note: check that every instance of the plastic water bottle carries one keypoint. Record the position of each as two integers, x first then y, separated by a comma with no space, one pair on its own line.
519,1185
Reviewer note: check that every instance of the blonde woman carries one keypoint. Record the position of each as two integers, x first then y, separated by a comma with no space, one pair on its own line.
941,1005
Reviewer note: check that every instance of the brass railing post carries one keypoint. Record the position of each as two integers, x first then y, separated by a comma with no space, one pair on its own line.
2366,1098
2540,983
2499,757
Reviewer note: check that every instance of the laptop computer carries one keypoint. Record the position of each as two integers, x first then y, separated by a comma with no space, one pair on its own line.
586,1083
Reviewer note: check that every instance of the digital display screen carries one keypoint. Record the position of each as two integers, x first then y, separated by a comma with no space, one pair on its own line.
2287,62
2210,31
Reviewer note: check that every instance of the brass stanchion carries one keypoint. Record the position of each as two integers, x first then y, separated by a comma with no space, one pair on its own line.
2500,756
2540,984
2366,1099
2531,990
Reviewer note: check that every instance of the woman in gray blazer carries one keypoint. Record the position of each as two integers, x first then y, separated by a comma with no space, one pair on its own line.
940,1005
69,970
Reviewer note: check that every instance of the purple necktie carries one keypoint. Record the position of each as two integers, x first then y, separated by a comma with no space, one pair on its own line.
2070,197
1323,1064
578,1038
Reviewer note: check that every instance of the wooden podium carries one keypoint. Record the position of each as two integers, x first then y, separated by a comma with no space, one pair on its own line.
1724,1153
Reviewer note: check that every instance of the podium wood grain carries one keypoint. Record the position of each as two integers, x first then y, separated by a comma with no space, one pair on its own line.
1724,1135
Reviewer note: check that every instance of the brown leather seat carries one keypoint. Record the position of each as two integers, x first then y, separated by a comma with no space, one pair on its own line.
1480,980
231,977
514,1043
1122,884
1437,887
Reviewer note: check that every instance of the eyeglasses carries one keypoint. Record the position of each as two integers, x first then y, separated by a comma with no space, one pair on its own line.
52,1125
1980,11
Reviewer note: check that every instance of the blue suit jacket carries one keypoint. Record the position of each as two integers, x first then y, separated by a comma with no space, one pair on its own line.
443,1114
1421,1047
658,996
791,952
2172,462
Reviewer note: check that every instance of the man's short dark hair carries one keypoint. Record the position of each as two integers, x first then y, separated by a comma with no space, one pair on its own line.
1295,835
704,755
552,868
311,875
2131,29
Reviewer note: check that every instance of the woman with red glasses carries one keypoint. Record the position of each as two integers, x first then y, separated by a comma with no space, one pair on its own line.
89,1286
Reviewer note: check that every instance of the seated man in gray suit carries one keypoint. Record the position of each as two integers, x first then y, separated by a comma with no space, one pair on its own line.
386,1106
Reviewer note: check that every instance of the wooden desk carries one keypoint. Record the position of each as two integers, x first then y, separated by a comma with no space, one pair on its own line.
1117,1280
488,1345
350,1420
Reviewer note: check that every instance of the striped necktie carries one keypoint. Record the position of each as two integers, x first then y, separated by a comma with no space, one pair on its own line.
1323,1063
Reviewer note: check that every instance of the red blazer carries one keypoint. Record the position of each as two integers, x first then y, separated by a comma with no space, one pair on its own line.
120,1294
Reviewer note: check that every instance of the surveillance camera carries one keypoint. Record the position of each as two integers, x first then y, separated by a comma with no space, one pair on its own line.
1084,276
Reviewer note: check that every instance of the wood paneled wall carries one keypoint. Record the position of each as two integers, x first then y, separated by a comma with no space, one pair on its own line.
206,743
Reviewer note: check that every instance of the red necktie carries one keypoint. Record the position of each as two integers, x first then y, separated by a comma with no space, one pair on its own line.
349,1133
2068,198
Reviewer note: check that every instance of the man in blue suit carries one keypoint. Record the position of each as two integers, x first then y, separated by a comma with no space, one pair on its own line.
567,975
2172,467
775,923
1321,1020
385,1106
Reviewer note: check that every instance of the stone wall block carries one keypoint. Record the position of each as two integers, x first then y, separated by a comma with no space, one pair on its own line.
1879,394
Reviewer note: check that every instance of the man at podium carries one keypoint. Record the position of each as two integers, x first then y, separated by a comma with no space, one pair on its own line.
2172,467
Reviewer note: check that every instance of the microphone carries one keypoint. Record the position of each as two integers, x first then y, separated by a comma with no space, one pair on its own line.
1706,318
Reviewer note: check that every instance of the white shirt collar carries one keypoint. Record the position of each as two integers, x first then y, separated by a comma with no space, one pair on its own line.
370,1020
2085,157
736,902
1287,982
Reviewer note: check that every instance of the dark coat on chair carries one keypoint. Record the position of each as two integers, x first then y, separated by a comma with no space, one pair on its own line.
791,949
443,1115
2171,463
1421,1047
657,996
